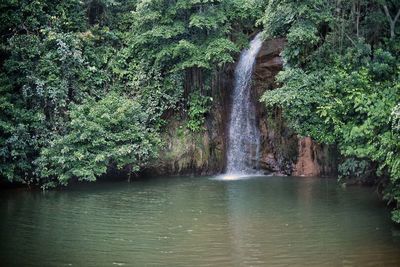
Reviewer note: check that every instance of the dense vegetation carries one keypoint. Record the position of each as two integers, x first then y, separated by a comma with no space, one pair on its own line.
341,82
85,84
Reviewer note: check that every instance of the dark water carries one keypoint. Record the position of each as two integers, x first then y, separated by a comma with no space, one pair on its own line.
264,221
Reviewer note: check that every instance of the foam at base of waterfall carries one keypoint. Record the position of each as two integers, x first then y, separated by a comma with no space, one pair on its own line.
237,176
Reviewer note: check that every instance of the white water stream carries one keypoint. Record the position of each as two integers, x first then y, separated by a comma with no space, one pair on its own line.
244,135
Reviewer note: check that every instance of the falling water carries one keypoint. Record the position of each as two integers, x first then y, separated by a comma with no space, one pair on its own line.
244,135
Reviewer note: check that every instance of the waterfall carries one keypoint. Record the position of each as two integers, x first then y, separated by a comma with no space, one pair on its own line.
244,135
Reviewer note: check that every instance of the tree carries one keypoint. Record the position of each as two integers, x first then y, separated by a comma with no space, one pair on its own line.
152,55
340,83
113,130
392,21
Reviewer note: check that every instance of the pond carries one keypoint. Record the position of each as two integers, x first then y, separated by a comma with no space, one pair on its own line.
199,221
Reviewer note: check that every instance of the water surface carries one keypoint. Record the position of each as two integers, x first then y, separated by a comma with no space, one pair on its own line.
199,221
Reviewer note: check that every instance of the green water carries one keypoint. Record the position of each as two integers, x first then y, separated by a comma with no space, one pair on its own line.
263,221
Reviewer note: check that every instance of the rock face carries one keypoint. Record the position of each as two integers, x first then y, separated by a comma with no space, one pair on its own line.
314,159
278,143
200,153
282,151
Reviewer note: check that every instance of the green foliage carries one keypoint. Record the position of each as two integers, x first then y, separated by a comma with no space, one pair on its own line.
47,64
60,58
112,130
396,216
299,22
299,92
354,169
351,104
20,132
184,34
198,107
341,82
394,161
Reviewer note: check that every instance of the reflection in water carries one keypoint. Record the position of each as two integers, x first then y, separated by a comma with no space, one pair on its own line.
241,225
263,221
310,223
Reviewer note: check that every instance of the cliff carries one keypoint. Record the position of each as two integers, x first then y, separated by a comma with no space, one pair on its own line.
283,152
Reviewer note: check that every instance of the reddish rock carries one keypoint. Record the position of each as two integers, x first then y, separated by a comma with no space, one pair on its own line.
282,151
306,162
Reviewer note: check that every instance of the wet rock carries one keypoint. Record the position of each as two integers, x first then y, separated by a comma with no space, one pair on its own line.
200,153
282,151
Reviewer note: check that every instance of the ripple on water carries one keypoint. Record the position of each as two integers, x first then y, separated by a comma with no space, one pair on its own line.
196,221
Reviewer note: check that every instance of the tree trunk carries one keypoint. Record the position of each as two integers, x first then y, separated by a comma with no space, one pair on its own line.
358,13
392,22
